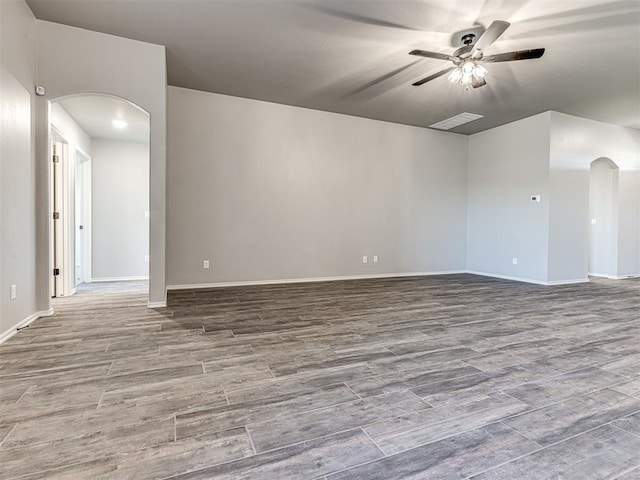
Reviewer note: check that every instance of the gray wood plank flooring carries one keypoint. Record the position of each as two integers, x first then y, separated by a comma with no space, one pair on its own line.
454,376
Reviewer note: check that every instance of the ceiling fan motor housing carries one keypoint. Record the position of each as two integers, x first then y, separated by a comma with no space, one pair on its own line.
467,36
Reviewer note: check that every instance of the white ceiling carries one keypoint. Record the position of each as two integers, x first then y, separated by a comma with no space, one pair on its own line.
350,56
95,113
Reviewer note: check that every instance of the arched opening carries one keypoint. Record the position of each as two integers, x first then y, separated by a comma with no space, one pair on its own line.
99,183
603,213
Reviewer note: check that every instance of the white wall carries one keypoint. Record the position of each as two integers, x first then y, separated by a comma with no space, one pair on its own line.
17,165
72,132
575,143
119,199
267,192
603,210
507,165
629,223
76,138
135,71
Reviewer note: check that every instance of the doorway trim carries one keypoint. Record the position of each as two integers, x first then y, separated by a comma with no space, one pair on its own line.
157,202
83,178
60,214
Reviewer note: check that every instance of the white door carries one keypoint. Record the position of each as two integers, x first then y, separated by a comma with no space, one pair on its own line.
57,170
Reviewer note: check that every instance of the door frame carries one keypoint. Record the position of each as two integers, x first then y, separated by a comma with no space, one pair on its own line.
58,213
83,178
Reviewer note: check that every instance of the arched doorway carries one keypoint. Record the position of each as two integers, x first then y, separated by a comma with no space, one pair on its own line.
100,191
603,214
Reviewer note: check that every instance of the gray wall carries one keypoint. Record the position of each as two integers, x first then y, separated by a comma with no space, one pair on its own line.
507,165
119,199
575,143
267,192
135,71
17,164
629,222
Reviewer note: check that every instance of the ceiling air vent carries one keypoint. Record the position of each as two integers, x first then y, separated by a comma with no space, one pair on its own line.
456,121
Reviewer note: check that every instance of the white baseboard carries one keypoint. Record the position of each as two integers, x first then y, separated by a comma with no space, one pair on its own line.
13,330
157,304
118,279
567,282
308,280
507,277
614,277
530,280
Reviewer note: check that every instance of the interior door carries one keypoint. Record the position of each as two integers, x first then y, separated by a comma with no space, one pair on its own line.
57,203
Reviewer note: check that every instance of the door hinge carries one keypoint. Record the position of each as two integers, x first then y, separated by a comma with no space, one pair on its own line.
56,271
56,158
56,215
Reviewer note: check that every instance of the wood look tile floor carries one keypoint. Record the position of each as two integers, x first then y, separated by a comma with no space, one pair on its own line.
442,377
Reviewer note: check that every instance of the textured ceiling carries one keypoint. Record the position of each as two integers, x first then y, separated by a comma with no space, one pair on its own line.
350,56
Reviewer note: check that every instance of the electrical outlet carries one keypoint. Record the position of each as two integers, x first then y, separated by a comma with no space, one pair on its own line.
205,264
12,292
364,259
375,259
514,260
146,259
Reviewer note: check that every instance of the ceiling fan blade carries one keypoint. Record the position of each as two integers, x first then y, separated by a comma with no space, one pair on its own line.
431,77
491,34
519,55
478,82
424,53
463,52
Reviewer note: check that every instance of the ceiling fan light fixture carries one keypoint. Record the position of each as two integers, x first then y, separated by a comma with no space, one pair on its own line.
479,72
465,74
455,75
468,67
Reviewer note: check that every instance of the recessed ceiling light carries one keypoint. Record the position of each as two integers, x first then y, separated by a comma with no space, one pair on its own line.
456,121
118,123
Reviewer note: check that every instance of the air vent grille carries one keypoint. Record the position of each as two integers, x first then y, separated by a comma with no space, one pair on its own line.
456,121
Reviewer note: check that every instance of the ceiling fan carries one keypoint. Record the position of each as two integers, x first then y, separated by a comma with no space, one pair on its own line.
467,60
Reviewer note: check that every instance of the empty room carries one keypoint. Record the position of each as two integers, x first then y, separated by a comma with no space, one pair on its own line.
320,239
